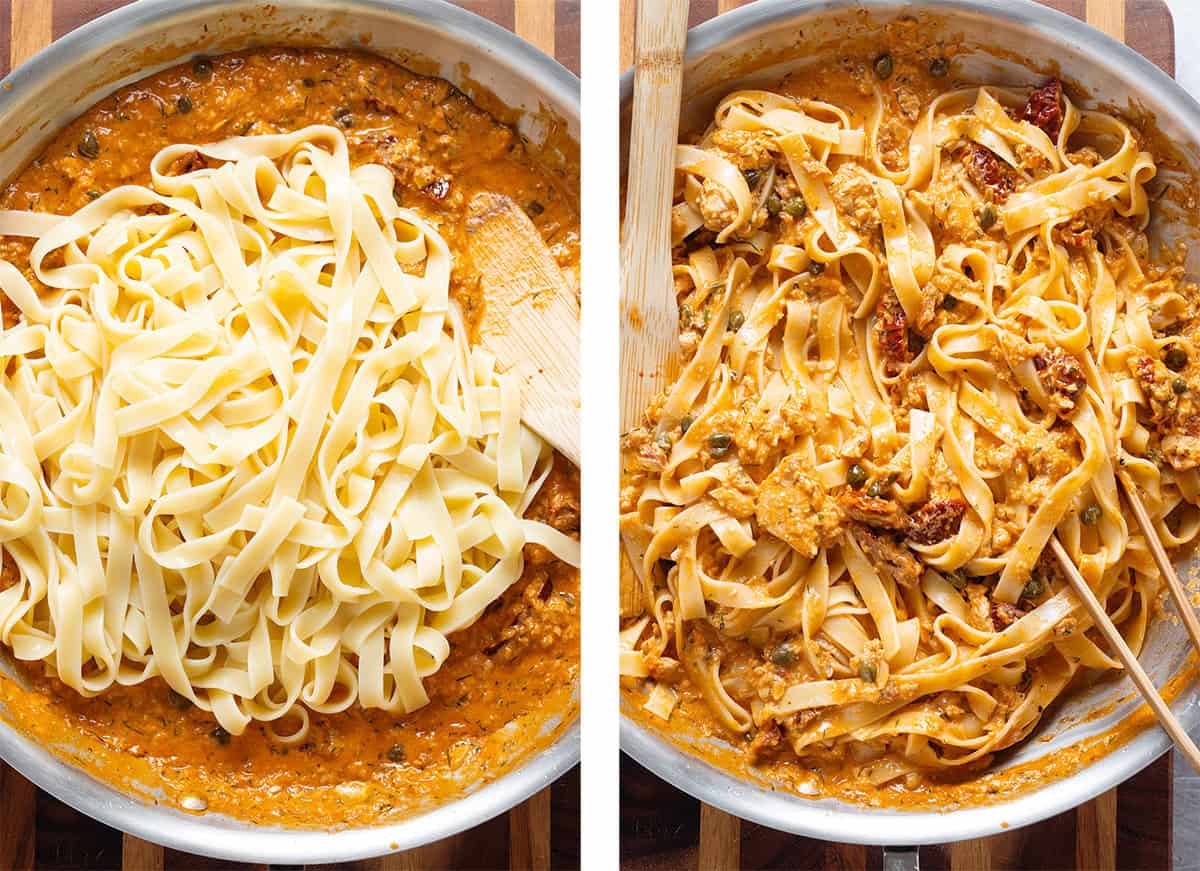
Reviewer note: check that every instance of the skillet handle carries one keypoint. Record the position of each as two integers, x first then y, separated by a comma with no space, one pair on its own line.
901,859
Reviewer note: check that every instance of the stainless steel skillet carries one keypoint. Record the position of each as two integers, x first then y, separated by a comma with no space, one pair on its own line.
73,73
1013,42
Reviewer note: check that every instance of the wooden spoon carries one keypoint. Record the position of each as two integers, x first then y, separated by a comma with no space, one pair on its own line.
531,317
649,316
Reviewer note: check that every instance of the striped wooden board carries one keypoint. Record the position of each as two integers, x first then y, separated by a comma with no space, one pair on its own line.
1127,827
36,830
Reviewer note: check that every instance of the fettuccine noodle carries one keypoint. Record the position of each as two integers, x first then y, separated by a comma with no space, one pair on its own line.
245,445
907,363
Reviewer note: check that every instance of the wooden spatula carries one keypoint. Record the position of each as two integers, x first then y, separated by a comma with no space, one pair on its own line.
649,316
531,317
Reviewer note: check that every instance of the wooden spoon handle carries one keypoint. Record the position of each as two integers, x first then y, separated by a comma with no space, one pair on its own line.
1133,668
649,317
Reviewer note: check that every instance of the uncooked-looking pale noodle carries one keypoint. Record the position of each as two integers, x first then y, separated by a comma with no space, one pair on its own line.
905,369
245,445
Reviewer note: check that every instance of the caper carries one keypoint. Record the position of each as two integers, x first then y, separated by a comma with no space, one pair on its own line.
796,207
220,735
685,424
534,208
1176,358
719,443
783,655
957,580
736,319
867,671
1090,515
884,65
184,104
1179,386
774,205
93,194
751,176
987,218
396,753
178,701
1034,588
938,67
343,116
949,303
685,315
856,475
878,488
815,267
202,67
663,440
89,145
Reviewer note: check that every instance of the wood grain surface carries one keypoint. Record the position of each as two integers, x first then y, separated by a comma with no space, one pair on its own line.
649,317
1127,827
37,831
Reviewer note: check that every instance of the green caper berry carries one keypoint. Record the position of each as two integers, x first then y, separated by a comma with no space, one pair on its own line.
89,145
987,218
884,66
1176,358
736,319
719,443
686,423
815,267
93,194
202,67
1090,515
1179,386
868,672
856,475
685,315
783,655
220,735
774,205
664,441
938,67
949,303
751,176
796,207
396,753
184,104
1033,589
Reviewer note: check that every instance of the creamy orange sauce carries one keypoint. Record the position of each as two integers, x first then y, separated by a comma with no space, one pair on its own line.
508,686
694,728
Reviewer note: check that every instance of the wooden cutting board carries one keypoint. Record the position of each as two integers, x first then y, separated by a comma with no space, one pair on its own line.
38,831
1128,827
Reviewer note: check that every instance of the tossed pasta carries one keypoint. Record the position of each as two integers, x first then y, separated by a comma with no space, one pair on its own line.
244,443
922,331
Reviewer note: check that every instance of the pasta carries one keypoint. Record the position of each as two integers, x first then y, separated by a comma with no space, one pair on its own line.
922,332
245,446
